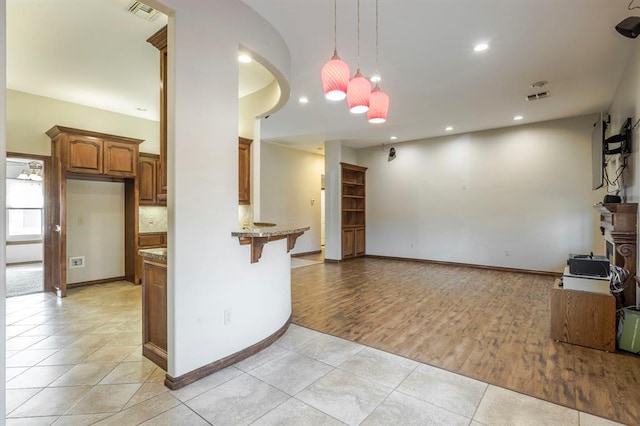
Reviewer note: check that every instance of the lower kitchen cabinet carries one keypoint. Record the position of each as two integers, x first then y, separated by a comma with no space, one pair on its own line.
154,312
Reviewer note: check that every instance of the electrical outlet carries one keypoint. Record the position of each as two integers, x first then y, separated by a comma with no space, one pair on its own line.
76,262
227,316
507,252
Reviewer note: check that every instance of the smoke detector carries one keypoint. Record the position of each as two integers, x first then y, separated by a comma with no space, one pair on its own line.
143,11
540,95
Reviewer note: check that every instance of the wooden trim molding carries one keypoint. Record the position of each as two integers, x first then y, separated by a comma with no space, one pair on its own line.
332,260
28,262
101,281
468,265
174,383
307,253
159,39
24,242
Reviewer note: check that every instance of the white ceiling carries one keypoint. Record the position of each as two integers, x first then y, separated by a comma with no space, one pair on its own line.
93,52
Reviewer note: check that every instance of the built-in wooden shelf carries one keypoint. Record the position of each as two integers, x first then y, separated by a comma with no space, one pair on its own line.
353,210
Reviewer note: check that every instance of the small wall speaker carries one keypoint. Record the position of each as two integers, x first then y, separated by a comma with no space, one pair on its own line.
629,27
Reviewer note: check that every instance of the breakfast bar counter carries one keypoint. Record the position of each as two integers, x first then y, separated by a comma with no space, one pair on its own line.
260,234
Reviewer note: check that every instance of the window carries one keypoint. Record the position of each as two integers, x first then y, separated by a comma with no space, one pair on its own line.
25,206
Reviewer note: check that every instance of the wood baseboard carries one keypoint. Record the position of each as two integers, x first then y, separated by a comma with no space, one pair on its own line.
468,265
102,281
29,262
308,253
174,383
332,261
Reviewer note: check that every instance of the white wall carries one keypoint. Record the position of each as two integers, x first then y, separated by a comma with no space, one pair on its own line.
95,229
290,180
3,196
17,253
30,116
470,198
208,271
626,103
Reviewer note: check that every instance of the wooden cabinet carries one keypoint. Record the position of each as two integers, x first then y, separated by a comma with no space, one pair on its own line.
149,240
91,153
120,159
244,171
583,318
154,312
85,155
149,181
353,211
159,41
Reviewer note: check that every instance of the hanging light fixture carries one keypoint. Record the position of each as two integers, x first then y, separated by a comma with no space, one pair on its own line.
335,73
359,88
379,101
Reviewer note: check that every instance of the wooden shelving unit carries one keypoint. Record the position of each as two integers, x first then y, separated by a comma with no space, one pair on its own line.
353,210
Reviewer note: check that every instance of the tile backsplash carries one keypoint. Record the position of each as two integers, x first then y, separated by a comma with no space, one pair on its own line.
152,219
245,215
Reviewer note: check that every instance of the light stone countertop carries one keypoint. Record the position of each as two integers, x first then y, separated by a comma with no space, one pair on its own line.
269,230
157,254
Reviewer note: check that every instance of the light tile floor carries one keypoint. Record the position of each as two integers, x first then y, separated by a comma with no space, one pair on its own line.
77,361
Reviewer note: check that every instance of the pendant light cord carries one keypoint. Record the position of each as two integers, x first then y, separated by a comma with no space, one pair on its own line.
377,61
358,70
335,28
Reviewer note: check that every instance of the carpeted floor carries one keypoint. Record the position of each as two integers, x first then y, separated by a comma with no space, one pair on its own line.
24,279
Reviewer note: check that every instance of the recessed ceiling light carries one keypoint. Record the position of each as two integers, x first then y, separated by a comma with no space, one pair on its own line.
393,138
244,58
480,47
518,117
375,78
303,100
448,128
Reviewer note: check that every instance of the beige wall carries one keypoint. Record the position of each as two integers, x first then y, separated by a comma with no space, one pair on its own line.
518,197
251,106
290,191
95,229
30,116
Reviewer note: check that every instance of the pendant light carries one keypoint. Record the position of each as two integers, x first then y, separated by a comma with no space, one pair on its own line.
335,73
359,88
379,102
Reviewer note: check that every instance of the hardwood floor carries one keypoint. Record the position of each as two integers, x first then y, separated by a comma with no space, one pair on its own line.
490,325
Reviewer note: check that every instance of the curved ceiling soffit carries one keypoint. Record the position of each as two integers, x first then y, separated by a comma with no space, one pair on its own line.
281,80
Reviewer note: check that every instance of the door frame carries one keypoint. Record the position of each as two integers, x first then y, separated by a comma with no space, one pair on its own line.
48,213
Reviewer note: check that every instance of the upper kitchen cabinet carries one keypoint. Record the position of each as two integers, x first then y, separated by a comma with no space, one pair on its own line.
244,171
159,41
92,153
149,181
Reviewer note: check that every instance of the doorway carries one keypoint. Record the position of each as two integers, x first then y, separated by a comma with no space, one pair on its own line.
26,214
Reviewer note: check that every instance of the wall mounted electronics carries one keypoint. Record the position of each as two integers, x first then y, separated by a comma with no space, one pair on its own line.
620,143
629,27
597,152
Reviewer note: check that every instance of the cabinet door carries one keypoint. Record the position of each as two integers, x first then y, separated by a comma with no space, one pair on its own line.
348,243
244,171
147,178
360,246
120,159
85,155
155,310
151,240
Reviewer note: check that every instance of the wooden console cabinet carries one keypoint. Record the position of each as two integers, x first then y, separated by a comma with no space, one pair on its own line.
353,211
583,318
619,225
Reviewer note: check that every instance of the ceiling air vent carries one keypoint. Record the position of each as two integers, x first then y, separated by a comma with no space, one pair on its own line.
537,96
142,11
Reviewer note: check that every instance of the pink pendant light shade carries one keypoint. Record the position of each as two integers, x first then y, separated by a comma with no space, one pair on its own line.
378,106
358,94
335,78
